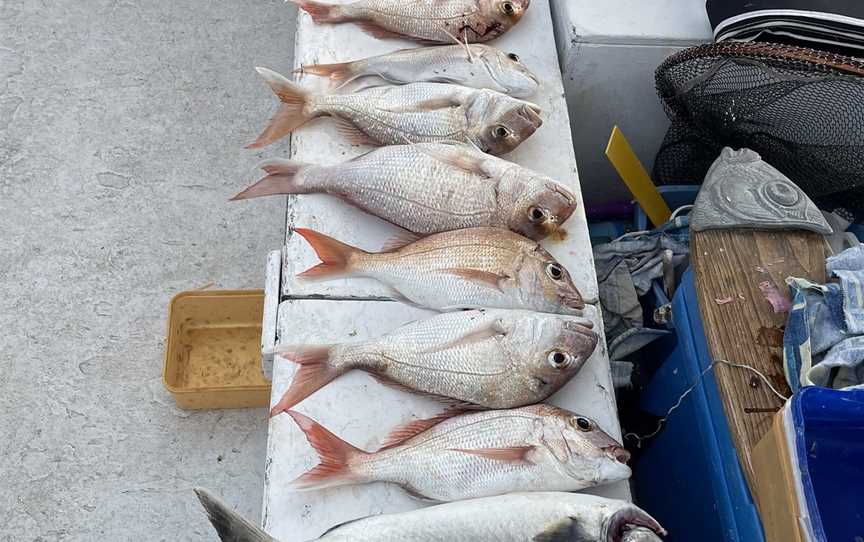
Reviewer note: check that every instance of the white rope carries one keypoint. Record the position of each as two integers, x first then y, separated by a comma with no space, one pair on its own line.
639,439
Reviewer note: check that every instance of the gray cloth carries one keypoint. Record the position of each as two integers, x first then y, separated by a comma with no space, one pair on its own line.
626,269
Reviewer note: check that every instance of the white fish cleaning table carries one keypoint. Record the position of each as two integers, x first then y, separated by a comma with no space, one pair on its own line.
355,407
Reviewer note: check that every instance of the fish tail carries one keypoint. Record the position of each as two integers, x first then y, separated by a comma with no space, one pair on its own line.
336,456
336,257
281,179
292,114
314,372
321,12
342,72
229,525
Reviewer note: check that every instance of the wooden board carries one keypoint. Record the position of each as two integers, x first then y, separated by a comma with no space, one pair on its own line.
362,411
731,264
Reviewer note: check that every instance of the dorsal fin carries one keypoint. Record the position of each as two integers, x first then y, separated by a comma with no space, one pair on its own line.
400,240
412,429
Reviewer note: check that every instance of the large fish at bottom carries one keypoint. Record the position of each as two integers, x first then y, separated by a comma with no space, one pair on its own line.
476,454
471,268
415,113
430,188
427,21
476,66
518,517
488,358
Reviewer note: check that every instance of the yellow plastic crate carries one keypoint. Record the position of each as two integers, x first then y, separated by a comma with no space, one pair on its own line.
213,350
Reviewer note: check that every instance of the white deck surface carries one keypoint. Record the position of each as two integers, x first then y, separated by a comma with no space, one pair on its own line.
354,406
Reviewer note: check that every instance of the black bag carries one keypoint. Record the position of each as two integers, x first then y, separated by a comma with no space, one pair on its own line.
834,25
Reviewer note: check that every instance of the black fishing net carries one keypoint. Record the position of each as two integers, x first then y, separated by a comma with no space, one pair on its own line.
801,109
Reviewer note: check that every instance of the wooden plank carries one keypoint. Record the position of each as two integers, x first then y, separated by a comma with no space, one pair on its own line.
549,151
731,264
363,412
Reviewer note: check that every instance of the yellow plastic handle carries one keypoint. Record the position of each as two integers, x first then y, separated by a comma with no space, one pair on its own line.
633,173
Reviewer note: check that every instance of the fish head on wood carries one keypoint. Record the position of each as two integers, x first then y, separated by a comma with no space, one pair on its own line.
497,123
543,284
537,205
506,69
579,448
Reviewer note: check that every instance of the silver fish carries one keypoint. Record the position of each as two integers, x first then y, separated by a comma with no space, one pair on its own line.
471,268
517,517
492,359
477,454
430,188
427,21
415,113
476,66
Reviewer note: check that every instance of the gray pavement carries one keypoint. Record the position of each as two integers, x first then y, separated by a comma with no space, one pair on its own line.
121,131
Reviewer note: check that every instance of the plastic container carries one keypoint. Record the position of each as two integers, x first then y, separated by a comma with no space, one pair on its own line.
688,476
674,195
213,350
809,474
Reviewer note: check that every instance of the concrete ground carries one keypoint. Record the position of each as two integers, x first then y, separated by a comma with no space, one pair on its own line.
122,124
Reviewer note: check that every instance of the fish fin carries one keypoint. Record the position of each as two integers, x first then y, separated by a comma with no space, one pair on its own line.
313,374
494,328
352,133
341,72
332,529
229,525
377,31
291,114
513,454
400,240
414,428
432,104
450,403
564,530
446,80
485,278
280,179
335,256
453,157
320,12
334,453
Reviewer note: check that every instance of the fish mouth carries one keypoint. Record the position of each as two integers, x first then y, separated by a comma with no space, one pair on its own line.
573,302
618,453
620,522
531,113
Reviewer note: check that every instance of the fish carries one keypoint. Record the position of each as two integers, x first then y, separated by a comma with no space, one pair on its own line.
493,359
477,66
416,113
460,269
458,455
429,188
517,517
425,21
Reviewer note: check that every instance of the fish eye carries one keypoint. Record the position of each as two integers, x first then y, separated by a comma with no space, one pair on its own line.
582,424
507,8
513,56
500,132
536,214
559,360
554,271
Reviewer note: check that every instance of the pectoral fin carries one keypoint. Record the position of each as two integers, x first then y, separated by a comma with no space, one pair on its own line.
564,530
432,104
494,328
485,278
456,155
512,454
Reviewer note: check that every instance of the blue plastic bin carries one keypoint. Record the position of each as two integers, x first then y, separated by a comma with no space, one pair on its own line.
829,439
674,195
688,477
